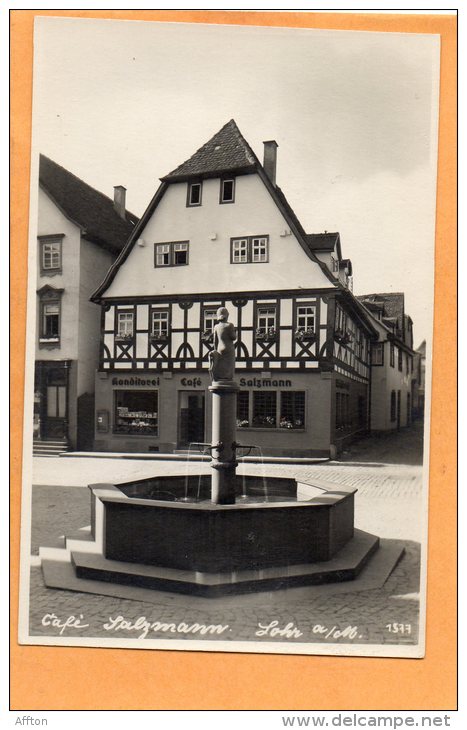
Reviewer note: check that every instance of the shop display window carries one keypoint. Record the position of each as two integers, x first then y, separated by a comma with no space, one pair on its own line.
292,409
243,409
136,412
343,420
265,409
269,409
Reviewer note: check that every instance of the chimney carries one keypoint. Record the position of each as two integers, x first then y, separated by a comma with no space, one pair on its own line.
270,159
119,200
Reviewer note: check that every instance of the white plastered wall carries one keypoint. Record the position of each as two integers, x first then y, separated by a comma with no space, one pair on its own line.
209,228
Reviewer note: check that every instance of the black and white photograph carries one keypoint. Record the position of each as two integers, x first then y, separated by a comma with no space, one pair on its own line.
229,338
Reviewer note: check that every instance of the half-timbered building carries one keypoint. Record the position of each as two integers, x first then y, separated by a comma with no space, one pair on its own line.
220,232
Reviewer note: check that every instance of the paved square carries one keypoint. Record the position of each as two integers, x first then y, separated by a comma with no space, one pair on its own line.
389,503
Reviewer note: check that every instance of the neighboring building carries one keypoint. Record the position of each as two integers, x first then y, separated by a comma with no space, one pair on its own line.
219,232
391,362
80,233
418,381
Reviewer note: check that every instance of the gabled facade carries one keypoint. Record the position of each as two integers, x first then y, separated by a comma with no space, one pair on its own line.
392,362
80,233
220,232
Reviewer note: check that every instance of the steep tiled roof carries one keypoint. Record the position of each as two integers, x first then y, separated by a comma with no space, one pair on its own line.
391,307
371,306
322,241
93,211
393,304
227,151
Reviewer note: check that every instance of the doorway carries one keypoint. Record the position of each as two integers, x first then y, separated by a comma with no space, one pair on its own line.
51,400
191,417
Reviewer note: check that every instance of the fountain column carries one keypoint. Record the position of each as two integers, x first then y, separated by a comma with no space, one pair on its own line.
224,411
224,461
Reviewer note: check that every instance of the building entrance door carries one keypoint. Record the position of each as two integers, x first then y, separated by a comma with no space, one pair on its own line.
190,418
54,413
55,425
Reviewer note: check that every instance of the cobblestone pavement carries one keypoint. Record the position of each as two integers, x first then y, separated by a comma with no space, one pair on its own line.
388,503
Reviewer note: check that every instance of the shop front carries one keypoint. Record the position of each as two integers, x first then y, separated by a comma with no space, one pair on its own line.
283,414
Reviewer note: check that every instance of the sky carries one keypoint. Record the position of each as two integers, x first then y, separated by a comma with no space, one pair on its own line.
354,115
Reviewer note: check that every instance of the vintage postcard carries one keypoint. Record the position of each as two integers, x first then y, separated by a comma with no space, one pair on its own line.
230,316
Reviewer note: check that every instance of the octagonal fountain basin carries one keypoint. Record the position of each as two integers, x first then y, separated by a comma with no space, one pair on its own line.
149,522
279,534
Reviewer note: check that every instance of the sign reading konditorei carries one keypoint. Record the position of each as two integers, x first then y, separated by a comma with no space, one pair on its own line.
136,382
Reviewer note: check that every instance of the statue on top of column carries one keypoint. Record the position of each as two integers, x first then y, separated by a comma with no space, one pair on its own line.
222,357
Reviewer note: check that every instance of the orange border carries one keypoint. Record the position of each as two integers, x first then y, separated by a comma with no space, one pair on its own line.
53,678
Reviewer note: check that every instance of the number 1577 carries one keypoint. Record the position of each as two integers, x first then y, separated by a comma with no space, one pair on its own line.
399,628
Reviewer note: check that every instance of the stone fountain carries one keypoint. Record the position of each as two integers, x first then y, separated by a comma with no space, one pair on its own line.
219,534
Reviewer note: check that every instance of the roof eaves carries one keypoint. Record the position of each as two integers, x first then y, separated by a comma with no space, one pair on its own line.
293,222
61,209
400,343
124,253
102,243
359,309
379,321
221,171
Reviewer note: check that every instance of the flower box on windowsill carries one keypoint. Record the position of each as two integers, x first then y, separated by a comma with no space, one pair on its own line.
49,343
345,338
123,338
157,339
207,337
291,424
264,422
266,336
308,335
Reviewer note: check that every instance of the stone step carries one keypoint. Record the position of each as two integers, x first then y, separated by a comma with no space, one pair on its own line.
49,448
345,566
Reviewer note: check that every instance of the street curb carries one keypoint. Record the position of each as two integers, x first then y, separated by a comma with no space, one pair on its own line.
194,457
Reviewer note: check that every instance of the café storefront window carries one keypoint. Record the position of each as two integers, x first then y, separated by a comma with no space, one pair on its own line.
269,409
136,412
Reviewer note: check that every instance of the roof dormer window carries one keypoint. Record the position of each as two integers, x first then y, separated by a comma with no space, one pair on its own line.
194,194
